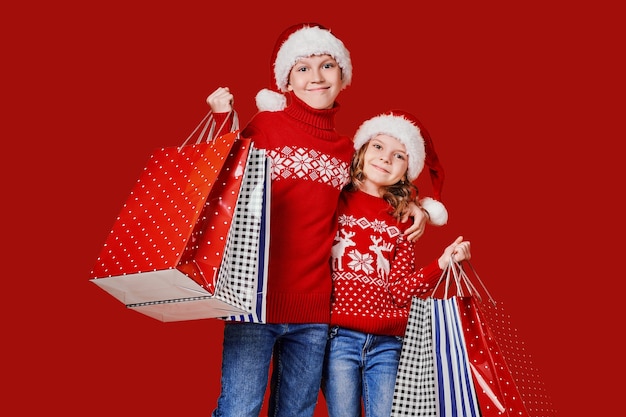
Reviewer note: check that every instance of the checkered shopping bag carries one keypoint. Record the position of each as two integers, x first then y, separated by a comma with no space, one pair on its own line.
244,266
415,392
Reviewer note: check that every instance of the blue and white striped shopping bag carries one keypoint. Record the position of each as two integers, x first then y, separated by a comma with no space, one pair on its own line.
456,392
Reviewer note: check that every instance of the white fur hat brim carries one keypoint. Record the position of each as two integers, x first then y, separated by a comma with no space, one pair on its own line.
403,130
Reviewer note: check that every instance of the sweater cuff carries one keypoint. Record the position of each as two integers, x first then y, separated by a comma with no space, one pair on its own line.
432,272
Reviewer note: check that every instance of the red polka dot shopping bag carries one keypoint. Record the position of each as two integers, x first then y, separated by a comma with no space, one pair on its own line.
173,253
507,383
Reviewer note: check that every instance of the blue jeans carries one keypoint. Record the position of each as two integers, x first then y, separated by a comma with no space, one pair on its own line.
297,351
360,371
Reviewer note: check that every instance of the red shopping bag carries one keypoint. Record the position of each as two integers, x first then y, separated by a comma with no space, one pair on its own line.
201,261
151,261
503,388
497,391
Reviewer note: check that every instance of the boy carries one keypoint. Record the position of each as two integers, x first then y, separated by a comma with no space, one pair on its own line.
310,165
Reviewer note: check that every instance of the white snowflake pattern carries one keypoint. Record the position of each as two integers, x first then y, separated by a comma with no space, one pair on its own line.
278,163
347,220
308,164
378,226
300,163
361,262
325,168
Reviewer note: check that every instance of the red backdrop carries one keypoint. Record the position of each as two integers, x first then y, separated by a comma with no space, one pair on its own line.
524,103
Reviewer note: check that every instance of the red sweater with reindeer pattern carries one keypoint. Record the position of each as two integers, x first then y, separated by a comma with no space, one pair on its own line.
373,268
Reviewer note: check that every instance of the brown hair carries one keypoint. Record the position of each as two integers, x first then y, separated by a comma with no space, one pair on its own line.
398,195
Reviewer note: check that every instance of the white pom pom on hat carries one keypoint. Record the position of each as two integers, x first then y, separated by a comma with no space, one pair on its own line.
437,212
268,100
300,41
419,146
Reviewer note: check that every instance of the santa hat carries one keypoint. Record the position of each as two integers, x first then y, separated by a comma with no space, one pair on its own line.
296,42
420,149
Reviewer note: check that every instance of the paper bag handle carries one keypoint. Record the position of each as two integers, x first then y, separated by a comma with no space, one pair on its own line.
454,272
208,123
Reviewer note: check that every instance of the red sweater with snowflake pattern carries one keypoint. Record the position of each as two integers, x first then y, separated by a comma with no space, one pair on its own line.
373,268
310,164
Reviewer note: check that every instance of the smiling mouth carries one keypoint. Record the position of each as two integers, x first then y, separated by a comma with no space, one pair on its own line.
378,168
318,89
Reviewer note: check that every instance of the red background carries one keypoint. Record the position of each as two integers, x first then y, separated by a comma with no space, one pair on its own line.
525,103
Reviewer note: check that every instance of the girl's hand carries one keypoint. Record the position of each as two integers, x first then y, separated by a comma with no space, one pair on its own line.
459,251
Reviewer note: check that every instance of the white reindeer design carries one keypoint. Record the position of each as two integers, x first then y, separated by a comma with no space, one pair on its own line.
340,248
382,263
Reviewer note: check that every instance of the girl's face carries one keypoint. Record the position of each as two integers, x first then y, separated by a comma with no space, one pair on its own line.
385,163
316,80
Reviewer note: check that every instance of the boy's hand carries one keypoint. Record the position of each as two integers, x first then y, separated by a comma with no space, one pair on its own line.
221,100
416,230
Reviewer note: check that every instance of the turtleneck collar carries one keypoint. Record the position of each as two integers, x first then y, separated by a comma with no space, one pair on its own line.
319,119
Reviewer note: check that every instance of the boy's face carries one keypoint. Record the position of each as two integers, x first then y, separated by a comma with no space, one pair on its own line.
316,80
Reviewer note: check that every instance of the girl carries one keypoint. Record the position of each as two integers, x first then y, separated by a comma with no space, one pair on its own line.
374,276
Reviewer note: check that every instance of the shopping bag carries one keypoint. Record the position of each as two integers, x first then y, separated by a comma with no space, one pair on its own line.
506,381
497,392
240,284
456,393
415,392
150,258
201,261
434,374
244,267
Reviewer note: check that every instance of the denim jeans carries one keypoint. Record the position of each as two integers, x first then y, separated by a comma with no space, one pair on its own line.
298,356
360,371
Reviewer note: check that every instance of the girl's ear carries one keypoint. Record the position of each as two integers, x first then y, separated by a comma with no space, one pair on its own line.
289,88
